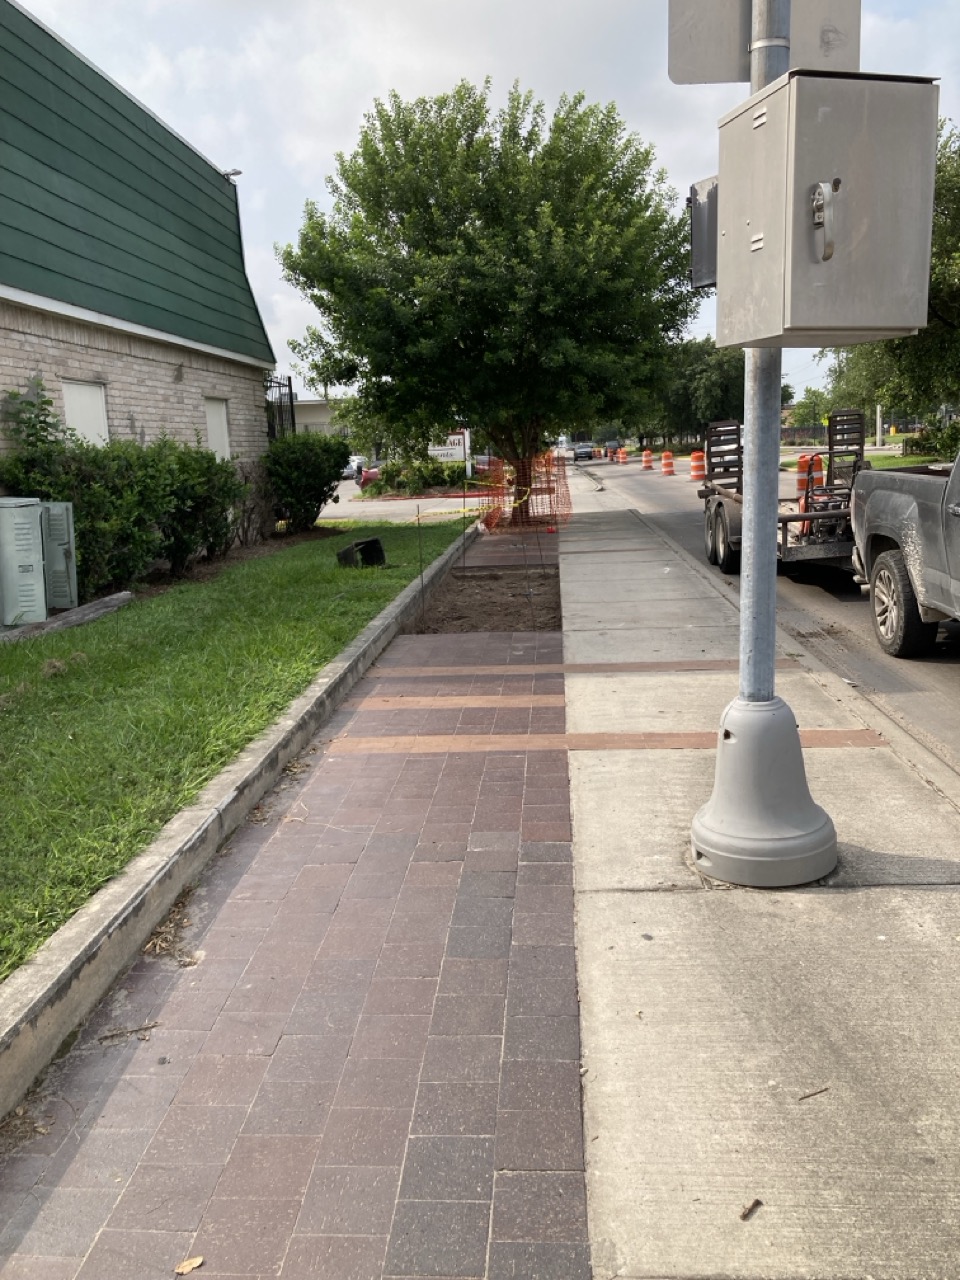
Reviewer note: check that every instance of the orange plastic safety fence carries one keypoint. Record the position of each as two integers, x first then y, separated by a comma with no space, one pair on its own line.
546,500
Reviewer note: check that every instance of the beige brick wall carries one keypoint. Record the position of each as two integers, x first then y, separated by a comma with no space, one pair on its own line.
150,386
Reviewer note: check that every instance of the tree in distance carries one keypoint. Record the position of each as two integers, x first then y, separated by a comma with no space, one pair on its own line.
918,374
699,383
496,270
812,408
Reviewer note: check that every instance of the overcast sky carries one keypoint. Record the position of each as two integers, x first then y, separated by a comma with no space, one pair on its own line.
277,87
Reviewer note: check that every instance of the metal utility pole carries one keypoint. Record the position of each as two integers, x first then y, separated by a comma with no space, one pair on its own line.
761,827
769,59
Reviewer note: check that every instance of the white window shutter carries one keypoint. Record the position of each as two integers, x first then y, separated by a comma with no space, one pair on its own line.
218,426
85,410
59,554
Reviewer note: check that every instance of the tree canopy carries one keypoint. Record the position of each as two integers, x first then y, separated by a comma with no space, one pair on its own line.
501,270
700,383
812,407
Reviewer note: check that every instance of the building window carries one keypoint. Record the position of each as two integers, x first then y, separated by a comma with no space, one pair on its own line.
218,430
85,410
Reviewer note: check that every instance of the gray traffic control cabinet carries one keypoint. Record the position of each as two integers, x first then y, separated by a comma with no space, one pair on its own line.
702,203
22,591
825,211
59,554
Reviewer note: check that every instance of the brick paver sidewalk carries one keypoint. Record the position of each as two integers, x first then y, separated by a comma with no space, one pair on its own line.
373,1070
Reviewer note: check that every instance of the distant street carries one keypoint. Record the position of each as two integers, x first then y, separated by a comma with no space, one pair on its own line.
396,510
826,610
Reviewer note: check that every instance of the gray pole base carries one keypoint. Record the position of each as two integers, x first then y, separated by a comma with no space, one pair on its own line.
761,827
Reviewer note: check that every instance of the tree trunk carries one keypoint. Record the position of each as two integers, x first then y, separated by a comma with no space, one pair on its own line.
523,482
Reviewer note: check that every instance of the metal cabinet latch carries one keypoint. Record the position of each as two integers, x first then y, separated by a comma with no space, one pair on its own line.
824,215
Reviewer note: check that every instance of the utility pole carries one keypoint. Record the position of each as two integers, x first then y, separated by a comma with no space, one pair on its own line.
879,426
815,232
769,59
761,827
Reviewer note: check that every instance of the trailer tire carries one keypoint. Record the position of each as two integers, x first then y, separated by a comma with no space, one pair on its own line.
728,560
897,624
709,535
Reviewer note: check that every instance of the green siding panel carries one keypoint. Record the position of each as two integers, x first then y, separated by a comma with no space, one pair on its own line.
70,254
51,186
104,208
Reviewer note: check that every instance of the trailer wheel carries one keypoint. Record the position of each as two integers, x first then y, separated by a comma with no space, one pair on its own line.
897,624
709,536
728,560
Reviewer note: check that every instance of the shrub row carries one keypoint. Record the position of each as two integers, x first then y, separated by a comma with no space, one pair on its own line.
416,476
134,505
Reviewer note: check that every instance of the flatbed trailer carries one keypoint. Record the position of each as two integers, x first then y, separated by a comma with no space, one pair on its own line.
812,527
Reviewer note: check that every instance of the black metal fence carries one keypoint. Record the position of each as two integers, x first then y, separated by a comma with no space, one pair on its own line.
281,417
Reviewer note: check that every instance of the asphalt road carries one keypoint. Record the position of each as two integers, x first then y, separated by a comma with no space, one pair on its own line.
827,611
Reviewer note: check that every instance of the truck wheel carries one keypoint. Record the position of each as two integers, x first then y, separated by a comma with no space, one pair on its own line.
728,560
709,536
899,629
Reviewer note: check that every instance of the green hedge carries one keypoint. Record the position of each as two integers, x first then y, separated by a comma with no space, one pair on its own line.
132,504
303,472
416,477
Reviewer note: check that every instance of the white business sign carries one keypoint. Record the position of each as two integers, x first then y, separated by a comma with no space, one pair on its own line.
455,449
710,39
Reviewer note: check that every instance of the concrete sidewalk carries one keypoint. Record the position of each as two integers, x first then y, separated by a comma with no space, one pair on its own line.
794,1048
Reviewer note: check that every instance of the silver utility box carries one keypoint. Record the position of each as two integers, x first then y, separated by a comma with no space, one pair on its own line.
825,211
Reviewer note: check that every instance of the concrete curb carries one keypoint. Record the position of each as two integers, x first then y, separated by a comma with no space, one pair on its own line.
44,1001
74,618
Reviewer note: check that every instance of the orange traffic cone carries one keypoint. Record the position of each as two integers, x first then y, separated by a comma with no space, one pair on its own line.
647,464
666,464
803,467
698,466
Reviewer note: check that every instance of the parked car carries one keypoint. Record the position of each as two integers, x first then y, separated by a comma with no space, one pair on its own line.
907,531
582,452
354,466
367,475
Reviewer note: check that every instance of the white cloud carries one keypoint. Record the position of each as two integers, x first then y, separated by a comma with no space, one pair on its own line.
276,91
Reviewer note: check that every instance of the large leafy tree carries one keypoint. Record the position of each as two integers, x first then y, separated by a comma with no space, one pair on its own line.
702,383
812,407
501,270
699,383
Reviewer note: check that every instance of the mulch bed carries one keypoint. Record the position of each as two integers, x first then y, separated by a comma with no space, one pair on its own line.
505,599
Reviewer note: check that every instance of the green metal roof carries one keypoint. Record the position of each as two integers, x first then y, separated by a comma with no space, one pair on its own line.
104,208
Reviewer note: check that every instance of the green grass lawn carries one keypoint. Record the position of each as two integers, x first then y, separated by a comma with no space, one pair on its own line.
107,730
879,462
885,462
